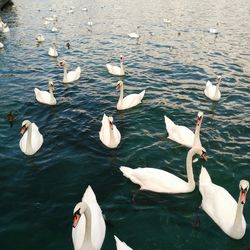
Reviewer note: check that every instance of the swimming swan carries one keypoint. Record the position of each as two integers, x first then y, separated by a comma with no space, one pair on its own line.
115,70
31,140
179,134
161,181
121,245
128,101
212,91
52,51
88,230
46,97
134,34
222,207
109,134
40,38
70,76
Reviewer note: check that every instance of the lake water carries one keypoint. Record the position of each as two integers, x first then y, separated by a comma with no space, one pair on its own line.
173,63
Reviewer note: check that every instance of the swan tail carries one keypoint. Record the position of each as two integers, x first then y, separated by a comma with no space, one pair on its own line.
208,84
169,124
127,172
204,176
142,94
89,194
36,90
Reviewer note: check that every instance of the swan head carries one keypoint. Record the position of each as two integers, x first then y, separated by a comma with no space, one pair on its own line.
25,125
244,186
62,63
51,84
77,214
219,77
199,118
110,122
121,58
119,84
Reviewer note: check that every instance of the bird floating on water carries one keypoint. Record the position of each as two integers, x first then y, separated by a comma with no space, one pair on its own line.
70,76
40,38
52,51
213,91
116,70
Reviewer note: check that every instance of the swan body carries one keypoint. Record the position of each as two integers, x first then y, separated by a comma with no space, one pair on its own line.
130,100
109,134
213,31
70,76
134,34
212,91
31,140
121,245
1,45
179,134
54,29
222,207
88,231
161,181
116,70
52,51
44,96
40,38
165,20
5,28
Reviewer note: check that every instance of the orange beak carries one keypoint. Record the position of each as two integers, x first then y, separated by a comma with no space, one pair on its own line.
204,156
243,197
76,220
23,129
111,125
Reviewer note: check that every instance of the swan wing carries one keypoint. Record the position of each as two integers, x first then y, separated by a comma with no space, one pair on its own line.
104,133
114,70
217,202
155,180
36,138
121,245
132,100
210,90
42,96
74,74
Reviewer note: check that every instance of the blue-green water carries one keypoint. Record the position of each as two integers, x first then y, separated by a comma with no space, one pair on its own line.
38,193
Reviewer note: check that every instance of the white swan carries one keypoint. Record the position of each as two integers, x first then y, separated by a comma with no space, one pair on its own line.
70,76
222,207
52,51
1,45
161,181
54,29
109,134
40,38
213,31
212,91
134,34
116,70
179,134
128,101
31,140
5,28
121,245
44,96
88,230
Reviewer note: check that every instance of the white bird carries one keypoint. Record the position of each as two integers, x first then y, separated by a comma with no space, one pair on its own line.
212,91
178,133
70,76
32,139
5,28
109,134
128,101
165,20
54,29
157,180
40,38
46,97
116,70
1,45
52,51
134,34
222,207
213,31
121,245
88,230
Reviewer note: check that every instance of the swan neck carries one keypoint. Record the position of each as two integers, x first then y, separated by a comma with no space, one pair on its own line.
65,73
121,93
87,240
189,167
237,226
122,66
197,140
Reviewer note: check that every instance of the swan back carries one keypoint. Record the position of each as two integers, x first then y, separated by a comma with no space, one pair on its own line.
121,245
218,203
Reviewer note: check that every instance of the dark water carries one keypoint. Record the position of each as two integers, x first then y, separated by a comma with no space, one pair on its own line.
38,193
